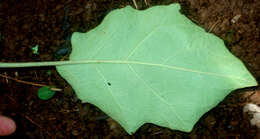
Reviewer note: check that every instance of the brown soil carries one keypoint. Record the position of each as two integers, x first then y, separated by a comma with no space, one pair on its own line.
49,23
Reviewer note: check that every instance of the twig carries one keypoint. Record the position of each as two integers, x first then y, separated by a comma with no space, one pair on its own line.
158,132
6,78
28,118
213,26
29,83
135,4
146,3
12,100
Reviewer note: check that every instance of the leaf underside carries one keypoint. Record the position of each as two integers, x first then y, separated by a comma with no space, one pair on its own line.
155,66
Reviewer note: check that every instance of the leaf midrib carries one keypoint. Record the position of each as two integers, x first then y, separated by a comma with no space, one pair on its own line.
74,62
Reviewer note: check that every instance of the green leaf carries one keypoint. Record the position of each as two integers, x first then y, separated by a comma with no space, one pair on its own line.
153,66
44,93
35,49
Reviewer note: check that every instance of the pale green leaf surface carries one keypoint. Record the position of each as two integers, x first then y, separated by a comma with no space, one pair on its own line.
155,66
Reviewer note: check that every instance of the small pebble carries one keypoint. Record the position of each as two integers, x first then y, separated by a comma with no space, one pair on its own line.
75,132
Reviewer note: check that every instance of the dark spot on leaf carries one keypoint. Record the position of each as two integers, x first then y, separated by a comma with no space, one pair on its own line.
108,83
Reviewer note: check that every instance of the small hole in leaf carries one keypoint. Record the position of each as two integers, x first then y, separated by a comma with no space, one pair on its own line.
108,83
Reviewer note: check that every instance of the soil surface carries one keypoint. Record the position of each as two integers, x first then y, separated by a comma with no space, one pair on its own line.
49,24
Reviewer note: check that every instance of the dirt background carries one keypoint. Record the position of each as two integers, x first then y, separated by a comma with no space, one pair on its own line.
49,24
